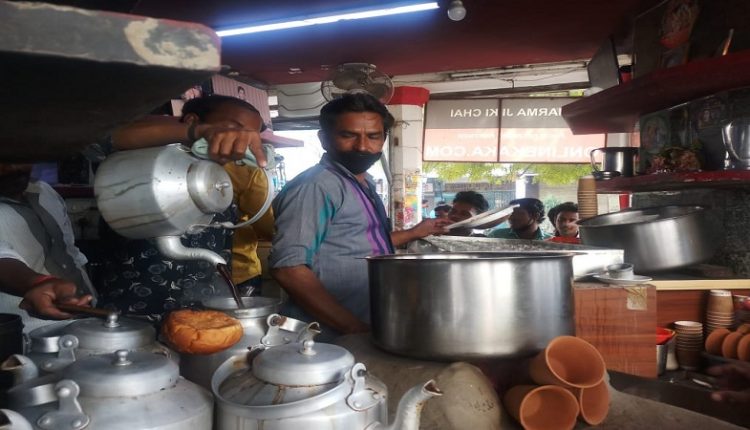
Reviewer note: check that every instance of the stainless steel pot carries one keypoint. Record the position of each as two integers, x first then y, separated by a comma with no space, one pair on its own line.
470,305
657,238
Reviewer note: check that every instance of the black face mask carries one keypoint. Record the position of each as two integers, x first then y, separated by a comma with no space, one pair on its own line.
355,161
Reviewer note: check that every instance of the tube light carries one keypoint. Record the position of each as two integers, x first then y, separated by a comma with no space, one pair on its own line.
328,19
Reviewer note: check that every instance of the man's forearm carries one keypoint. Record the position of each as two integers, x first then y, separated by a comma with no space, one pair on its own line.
17,278
402,237
309,293
149,132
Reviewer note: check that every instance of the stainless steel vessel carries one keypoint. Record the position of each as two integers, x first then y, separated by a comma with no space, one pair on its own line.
200,368
616,159
657,238
470,305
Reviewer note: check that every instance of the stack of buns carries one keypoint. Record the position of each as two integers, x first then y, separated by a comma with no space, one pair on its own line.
201,332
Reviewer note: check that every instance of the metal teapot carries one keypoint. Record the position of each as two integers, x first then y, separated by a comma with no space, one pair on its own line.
256,317
159,193
308,385
124,390
55,346
165,191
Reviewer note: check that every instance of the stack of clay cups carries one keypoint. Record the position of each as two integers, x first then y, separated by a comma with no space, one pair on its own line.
689,343
587,201
570,373
719,311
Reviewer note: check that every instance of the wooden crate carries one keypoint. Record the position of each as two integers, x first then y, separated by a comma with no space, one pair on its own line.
620,322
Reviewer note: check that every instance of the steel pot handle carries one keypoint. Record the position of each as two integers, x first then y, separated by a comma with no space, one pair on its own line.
593,161
112,317
727,131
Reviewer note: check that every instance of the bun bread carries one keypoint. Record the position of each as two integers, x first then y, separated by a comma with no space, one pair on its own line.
201,332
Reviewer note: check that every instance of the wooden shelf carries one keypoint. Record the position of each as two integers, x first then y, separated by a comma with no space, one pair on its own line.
676,181
617,109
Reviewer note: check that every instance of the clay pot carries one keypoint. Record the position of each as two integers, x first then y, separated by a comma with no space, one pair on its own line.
593,402
689,359
730,344
570,362
715,340
743,348
542,407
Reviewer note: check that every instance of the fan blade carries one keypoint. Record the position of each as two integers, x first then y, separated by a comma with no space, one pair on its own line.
378,90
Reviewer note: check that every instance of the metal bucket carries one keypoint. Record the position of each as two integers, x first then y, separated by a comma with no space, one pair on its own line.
470,305
657,238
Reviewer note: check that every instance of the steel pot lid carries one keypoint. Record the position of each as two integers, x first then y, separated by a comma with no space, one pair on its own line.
305,363
255,307
641,215
123,373
112,334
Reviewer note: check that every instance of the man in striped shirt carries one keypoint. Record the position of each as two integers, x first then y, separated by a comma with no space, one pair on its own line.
329,218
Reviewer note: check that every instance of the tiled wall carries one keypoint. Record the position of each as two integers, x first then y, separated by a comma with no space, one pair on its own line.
731,209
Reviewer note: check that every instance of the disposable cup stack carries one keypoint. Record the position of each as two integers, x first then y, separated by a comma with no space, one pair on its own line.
689,343
719,311
587,201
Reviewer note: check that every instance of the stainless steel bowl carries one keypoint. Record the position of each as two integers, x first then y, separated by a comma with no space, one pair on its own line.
657,238
470,305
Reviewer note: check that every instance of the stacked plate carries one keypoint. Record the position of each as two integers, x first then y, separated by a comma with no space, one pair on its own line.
689,343
720,310
587,202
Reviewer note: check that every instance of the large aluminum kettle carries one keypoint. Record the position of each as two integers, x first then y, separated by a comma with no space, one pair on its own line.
55,346
308,385
160,193
120,391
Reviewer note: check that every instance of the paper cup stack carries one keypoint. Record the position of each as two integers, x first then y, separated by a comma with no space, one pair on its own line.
720,310
587,202
689,343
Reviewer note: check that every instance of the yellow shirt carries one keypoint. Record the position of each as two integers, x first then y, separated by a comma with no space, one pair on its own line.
250,186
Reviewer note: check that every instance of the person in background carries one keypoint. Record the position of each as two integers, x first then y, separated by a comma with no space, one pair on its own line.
241,93
425,209
552,216
329,218
137,279
40,265
524,221
733,381
466,204
442,211
566,223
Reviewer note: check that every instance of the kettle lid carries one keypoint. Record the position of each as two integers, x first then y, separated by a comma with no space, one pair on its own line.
112,334
303,363
123,373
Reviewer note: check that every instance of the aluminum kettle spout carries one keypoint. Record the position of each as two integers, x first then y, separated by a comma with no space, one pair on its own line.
21,367
172,247
410,406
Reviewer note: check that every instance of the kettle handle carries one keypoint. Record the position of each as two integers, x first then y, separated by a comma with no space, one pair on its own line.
593,161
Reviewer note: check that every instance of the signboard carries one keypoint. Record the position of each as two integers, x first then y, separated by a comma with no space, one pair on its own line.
528,130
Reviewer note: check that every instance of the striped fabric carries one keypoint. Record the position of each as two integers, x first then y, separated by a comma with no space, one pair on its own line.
327,221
